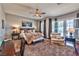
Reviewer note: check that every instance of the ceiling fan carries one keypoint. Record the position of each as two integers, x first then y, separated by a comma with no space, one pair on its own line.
38,13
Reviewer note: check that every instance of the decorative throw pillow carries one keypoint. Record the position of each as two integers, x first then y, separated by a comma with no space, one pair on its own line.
1,41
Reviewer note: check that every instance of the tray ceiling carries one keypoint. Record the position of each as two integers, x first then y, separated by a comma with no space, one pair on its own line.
51,9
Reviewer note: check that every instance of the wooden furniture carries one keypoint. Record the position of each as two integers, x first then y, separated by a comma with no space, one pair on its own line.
22,48
70,41
26,29
8,49
13,48
77,48
17,46
15,35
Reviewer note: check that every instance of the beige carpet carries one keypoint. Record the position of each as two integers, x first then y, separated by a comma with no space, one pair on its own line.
47,49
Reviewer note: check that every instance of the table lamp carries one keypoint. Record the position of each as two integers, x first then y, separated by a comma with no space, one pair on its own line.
71,31
15,28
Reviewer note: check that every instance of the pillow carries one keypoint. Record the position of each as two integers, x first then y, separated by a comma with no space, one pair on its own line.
1,41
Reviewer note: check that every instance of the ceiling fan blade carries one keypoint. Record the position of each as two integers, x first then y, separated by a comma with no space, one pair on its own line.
43,13
37,13
58,3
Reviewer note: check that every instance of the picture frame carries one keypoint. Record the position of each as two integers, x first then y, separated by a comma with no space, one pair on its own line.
2,24
27,24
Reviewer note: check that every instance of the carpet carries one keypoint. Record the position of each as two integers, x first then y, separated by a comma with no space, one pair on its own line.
46,49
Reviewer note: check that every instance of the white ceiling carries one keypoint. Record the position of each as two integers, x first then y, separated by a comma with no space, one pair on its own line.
51,9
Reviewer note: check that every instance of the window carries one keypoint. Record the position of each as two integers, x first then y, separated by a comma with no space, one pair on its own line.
53,25
60,27
69,24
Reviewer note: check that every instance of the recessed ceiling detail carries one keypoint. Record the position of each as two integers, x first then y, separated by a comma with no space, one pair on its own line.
50,9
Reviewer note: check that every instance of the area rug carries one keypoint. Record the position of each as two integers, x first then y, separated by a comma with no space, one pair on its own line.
47,49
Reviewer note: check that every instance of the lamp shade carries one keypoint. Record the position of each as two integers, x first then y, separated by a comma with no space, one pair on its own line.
72,30
15,28
16,25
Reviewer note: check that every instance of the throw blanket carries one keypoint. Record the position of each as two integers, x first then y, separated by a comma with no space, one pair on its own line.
32,36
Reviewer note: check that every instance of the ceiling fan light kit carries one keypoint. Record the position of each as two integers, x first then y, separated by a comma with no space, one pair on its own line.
38,13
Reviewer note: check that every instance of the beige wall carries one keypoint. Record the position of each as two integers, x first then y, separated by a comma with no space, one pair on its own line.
17,20
2,17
